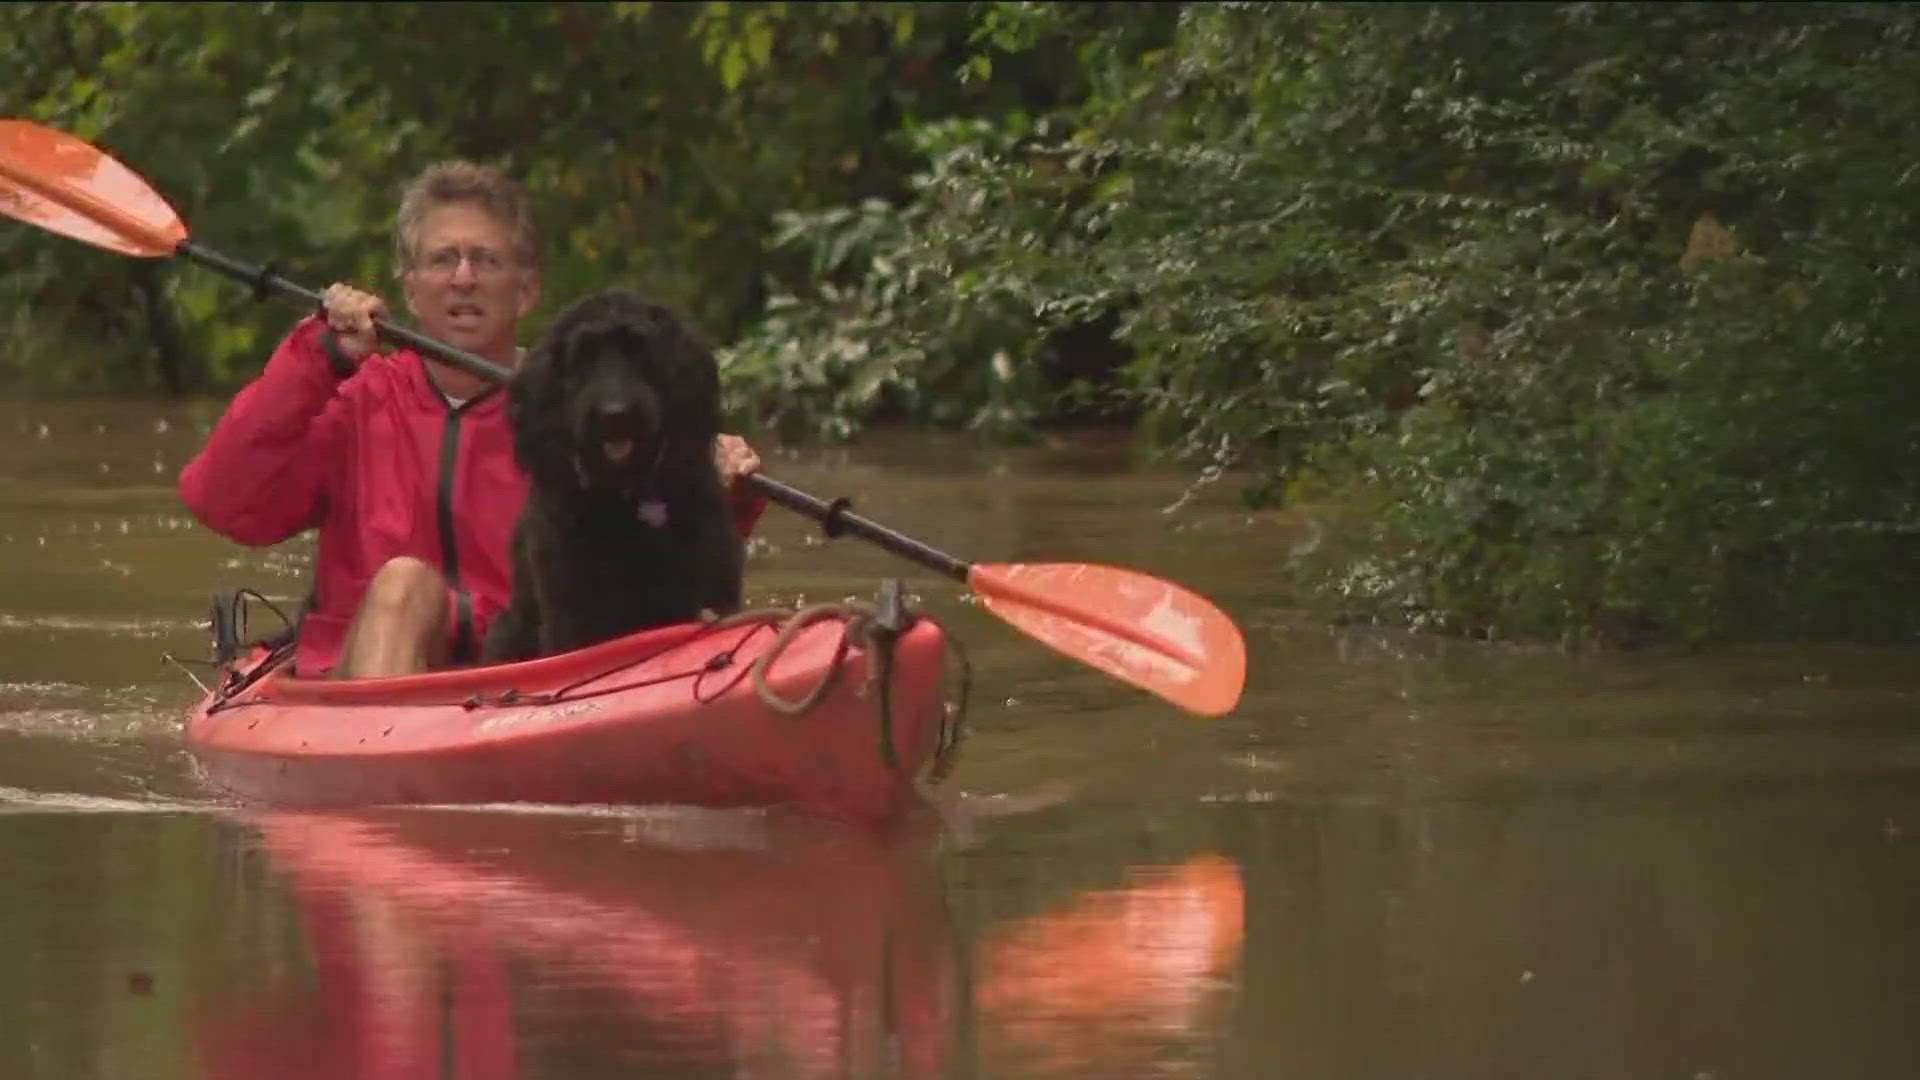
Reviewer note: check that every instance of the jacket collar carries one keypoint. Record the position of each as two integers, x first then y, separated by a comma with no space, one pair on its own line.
489,398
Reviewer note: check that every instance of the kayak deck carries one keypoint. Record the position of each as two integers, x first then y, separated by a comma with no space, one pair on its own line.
691,714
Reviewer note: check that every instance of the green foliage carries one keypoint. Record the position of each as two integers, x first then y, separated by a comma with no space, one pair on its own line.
877,290
660,139
1601,308
928,309
1633,419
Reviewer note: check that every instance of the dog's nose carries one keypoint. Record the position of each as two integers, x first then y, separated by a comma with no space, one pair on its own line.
616,416
613,412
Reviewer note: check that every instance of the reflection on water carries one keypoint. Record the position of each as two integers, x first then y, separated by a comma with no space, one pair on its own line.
712,944
484,945
1114,982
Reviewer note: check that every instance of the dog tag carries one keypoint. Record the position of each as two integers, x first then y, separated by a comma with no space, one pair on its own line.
653,512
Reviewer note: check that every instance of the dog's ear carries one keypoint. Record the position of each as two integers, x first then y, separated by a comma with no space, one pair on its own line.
535,407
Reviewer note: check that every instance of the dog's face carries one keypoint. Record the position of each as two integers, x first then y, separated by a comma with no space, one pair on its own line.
616,418
617,399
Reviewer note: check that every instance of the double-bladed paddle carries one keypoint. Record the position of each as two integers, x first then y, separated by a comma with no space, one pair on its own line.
1139,629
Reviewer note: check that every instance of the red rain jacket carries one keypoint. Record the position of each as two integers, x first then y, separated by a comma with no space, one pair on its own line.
382,466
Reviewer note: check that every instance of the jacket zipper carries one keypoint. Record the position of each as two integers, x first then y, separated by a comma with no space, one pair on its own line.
463,644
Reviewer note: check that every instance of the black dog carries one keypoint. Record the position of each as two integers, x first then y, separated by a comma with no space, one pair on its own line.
626,524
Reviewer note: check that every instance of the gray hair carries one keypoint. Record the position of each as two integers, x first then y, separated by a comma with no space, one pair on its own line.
463,181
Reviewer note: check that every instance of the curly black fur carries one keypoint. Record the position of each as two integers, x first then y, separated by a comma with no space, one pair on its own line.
626,524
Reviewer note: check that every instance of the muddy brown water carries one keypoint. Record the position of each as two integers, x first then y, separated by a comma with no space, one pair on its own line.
1401,857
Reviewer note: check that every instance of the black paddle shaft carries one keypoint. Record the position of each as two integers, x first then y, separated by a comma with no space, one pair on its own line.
836,520
834,517
266,281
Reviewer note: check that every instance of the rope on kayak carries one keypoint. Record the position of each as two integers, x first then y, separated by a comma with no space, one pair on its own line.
228,626
874,627
865,623
953,719
570,691
859,618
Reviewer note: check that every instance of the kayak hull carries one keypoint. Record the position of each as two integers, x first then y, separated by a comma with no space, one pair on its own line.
676,715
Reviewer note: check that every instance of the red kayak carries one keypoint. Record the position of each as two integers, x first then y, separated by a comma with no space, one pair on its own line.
813,713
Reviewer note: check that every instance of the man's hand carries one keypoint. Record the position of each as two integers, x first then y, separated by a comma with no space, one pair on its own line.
734,458
350,314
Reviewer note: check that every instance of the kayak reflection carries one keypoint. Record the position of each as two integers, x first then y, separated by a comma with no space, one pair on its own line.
710,944
486,945
1120,982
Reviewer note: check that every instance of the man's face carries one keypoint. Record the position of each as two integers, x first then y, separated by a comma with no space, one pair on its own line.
465,286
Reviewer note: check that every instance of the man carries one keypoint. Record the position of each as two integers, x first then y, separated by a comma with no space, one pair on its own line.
403,464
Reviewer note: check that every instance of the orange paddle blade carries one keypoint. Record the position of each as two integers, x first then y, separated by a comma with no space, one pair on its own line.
58,182
1139,629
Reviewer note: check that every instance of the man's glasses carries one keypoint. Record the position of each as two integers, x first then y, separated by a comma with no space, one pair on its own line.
487,264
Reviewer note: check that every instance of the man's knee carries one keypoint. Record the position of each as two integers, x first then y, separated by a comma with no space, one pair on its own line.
406,587
400,628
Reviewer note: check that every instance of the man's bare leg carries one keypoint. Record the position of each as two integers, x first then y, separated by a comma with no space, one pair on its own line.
401,627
